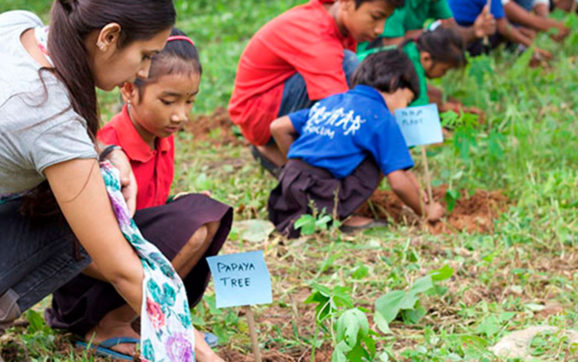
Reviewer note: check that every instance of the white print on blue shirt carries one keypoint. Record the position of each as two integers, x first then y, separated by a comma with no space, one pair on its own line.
324,123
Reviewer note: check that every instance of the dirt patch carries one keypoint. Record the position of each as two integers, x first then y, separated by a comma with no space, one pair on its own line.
321,355
471,214
217,128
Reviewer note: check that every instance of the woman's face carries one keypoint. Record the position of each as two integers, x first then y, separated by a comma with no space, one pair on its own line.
113,66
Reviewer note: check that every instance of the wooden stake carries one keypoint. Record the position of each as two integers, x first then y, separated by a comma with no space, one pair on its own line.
253,333
427,175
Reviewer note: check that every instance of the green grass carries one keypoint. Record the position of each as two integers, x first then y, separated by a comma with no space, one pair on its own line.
501,282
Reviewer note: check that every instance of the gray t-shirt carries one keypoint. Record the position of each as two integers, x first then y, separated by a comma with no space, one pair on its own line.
38,127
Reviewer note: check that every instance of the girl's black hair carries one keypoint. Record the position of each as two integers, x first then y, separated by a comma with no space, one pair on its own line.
387,72
71,21
394,3
178,56
443,44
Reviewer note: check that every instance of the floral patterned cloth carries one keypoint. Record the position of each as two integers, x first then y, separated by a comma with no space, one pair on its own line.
167,333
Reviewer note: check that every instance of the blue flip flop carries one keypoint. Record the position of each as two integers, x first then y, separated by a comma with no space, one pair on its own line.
211,339
104,349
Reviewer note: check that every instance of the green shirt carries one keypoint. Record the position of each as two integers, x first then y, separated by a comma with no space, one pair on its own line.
412,16
411,50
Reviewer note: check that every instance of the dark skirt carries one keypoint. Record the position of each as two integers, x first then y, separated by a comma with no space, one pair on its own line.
80,304
300,184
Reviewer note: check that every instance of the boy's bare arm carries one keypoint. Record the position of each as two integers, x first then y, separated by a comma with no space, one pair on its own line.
405,186
284,133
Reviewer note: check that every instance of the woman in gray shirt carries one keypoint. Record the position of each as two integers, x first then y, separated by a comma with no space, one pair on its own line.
48,119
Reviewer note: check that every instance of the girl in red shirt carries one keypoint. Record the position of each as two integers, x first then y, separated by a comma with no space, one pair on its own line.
187,229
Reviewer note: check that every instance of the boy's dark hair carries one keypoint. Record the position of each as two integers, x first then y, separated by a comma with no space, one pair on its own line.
444,45
387,71
394,3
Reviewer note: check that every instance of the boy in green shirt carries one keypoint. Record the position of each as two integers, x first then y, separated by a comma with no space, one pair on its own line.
408,21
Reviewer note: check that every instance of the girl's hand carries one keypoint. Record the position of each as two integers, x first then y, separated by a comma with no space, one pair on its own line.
562,33
542,54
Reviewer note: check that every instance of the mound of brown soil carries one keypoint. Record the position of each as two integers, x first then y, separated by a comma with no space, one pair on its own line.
474,213
216,128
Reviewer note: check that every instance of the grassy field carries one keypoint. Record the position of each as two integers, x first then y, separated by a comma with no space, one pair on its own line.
400,293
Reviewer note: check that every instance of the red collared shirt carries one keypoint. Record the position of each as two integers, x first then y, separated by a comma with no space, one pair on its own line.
153,169
305,39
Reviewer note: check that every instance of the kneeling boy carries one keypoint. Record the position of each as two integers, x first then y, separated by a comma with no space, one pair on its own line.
340,149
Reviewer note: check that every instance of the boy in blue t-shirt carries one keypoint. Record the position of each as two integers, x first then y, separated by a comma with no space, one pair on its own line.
339,150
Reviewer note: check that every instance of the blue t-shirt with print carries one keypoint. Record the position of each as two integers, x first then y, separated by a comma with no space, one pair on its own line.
340,131
466,11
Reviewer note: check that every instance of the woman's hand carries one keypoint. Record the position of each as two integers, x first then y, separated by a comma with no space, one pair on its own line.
127,180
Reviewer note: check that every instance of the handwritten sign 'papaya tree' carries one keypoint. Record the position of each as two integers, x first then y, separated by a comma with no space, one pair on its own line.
242,280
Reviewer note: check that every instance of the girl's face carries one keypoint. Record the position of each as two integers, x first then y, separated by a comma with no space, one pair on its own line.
432,68
113,66
161,107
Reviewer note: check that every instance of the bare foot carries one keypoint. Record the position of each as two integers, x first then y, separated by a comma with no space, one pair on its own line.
115,324
203,352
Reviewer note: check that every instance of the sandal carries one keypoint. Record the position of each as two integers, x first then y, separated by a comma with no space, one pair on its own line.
272,168
104,349
370,225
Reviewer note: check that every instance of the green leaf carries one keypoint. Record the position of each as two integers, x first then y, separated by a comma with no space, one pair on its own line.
489,326
451,197
381,323
445,272
390,304
35,320
352,326
254,230
340,352
421,285
370,344
360,272
306,223
412,316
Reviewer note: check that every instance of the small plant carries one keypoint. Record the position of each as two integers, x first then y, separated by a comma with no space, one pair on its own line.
406,303
352,338
309,224
549,344
451,197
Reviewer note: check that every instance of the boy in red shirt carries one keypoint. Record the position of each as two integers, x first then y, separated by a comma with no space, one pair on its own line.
303,55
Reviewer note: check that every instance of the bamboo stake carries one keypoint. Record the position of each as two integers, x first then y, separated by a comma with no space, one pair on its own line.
427,175
253,333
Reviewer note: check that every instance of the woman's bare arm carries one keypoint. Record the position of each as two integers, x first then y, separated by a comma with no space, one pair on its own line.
80,192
